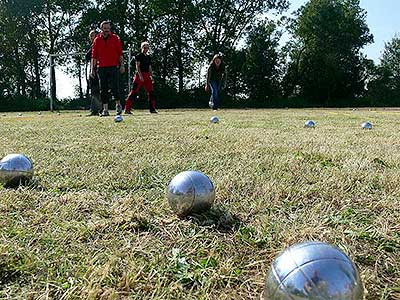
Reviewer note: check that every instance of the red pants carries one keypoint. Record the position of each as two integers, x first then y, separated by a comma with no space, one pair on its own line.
137,84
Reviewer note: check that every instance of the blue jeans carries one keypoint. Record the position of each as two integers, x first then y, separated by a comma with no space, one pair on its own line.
215,90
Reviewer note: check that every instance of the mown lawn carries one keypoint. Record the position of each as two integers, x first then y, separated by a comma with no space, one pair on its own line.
95,222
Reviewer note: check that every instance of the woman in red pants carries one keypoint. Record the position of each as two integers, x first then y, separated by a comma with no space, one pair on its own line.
143,77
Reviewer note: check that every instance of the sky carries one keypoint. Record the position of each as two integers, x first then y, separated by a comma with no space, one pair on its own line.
382,19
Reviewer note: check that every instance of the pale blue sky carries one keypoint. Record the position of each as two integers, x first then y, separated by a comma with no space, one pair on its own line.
383,21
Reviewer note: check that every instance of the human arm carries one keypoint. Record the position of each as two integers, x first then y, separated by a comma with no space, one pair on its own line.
121,55
139,72
93,67
224,77
151,73
94,59
121,64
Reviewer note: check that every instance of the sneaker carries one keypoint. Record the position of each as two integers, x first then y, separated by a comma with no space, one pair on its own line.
118,109
104,113
128,112
211,104
153,112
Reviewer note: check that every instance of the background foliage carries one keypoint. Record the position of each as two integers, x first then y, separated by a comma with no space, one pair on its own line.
320,65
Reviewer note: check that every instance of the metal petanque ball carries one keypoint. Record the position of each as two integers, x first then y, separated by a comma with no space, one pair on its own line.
309,124
190,192
366,125
118,118
15,169
313,271
214,119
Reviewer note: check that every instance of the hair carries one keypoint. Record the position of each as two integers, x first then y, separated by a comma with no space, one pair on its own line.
104,23
218,55
92,31
144,44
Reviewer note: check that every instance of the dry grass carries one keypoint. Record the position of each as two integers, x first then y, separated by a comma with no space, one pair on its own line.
95,223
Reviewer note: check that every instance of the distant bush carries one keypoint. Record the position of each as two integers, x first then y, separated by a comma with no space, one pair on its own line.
21,103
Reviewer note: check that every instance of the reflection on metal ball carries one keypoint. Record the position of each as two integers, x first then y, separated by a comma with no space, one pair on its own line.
190,192
310,124
118,118
313,271
214,119
366,125
15,169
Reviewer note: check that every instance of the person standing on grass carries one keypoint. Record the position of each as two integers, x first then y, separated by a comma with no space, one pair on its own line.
93,82
143,77
216,78
108,59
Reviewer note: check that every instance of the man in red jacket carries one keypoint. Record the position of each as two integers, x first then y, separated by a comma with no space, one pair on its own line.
107,57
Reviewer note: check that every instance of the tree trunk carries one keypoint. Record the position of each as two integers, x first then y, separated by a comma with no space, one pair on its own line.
53,85
78,65
179,47
36,88
21,73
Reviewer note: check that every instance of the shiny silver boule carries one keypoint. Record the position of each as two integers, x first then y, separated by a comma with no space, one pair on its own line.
190,192
313,271
118,118
366,125
15,169
214,119
309,124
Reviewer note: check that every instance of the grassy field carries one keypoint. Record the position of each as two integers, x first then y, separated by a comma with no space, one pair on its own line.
95,222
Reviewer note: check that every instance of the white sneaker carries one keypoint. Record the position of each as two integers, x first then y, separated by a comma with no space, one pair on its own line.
104,113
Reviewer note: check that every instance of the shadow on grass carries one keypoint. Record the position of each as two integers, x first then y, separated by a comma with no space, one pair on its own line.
218,219
32,184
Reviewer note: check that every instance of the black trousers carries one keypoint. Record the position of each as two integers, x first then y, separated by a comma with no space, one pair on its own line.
95,104
109,81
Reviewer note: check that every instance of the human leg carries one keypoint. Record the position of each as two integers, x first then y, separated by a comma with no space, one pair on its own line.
115,89
215,99
133,94
95,103
148,86
104,87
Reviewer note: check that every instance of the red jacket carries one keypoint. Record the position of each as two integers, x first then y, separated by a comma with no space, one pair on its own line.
107,51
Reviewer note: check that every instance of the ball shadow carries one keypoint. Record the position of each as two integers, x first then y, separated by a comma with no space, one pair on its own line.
218,219
14,184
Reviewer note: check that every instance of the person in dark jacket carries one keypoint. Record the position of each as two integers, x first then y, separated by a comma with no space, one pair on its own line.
93,82
216,77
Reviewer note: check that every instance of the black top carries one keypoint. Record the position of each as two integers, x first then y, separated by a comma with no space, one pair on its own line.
217,74
145,62
88,55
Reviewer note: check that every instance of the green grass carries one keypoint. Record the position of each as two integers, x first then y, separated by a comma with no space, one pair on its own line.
95,222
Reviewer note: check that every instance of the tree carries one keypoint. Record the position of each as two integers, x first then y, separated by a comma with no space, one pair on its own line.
224,22
384,84
327,63
261,73
22,40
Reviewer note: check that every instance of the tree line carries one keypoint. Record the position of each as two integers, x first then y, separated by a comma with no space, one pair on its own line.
321,64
